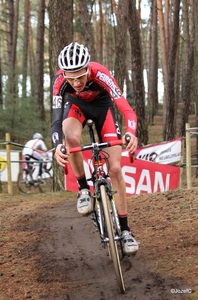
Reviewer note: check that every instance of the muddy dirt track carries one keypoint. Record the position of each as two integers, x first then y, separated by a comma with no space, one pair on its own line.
48,251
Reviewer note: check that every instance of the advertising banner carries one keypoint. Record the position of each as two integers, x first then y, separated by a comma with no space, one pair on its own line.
140,176
14,156
163,153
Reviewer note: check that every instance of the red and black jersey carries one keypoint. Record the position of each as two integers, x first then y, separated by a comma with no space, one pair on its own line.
101,88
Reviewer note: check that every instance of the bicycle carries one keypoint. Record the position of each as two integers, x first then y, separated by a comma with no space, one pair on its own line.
28,179
104,215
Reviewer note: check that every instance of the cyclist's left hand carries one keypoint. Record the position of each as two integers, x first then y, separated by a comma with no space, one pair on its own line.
132,145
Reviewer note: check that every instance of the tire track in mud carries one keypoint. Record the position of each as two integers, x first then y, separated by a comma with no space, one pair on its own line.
74,264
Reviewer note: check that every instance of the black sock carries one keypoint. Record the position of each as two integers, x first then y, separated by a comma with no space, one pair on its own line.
123,222
82,182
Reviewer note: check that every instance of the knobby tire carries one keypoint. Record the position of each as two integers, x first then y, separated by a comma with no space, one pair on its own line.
112,243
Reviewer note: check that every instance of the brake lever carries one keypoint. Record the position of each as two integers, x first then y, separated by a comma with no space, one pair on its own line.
64,151
127,139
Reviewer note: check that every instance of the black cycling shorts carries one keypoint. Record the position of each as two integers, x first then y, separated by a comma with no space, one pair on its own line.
101,111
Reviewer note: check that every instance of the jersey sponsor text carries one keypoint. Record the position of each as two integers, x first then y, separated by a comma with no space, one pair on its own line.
115,91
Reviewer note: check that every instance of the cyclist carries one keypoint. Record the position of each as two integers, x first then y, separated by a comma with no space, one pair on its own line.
31,148
86,90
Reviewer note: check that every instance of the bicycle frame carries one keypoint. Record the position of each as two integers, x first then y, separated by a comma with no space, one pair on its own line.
104,214
27,179
99,178
33,163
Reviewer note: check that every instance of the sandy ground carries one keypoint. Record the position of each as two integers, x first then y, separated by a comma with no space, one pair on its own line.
49,251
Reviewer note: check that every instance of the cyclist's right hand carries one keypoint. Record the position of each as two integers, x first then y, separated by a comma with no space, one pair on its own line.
60,156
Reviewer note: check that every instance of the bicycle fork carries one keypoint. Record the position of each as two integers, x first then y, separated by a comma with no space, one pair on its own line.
98,219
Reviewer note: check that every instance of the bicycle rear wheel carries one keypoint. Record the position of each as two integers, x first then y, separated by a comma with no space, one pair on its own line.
25,181
112,243
45,182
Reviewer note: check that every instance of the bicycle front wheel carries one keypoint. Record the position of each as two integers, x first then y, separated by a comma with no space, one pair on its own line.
46,182
25,181
112,243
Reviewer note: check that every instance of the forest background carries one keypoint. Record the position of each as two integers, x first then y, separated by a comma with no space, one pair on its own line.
135,48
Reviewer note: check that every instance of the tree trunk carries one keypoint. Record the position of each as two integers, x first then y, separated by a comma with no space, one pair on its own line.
95,29
153,66
32,60
10,36
39,93
60,35
13,22
25,47
137,73
60,29
121,50
185,41
87,29
164,56
169,129
101,33
188,79
167,24
195,9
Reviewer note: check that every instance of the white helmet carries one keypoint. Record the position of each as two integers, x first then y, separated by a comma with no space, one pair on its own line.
73,57
37,136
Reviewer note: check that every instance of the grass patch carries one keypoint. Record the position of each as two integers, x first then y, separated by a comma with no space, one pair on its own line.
175,218
185,206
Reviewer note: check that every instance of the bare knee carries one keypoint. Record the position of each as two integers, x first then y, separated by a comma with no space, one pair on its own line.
72,140
115,172
72,130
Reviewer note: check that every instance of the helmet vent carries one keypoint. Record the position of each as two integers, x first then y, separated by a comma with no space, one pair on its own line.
73,57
